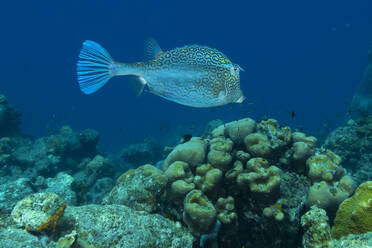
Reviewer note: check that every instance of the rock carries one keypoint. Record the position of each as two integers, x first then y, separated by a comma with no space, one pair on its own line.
10,119
143,153
61,185
353,241
68,241
12,192
139,189
39,212
119,226
100,188
18,238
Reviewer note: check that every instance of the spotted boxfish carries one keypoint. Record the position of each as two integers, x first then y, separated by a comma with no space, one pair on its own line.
196,76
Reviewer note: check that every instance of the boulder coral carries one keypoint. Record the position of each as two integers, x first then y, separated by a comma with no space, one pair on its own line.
330,195
220,159
208,179
330,184
178,170
199,213
258,145
354,215
180,188
221,144
279,137
238,130
226,210
311,141
325,165
192,152
262,180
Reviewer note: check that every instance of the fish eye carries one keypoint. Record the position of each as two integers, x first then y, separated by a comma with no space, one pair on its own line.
234,69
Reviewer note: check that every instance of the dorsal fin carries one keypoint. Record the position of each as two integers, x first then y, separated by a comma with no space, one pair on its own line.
152,49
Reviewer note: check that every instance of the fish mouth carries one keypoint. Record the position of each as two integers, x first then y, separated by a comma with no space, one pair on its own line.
241,99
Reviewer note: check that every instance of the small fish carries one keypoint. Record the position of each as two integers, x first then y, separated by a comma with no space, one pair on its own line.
250,103
280,206
196,76
292,114
185,138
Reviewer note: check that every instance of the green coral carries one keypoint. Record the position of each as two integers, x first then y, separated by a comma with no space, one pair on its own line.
354,215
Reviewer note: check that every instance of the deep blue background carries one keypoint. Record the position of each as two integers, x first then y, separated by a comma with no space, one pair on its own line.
308,56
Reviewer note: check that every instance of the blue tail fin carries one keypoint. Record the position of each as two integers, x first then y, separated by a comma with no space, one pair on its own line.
94,68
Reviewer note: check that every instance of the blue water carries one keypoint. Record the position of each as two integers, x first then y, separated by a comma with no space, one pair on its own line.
306,56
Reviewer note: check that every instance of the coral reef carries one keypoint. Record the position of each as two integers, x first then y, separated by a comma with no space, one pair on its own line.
353,142
242,184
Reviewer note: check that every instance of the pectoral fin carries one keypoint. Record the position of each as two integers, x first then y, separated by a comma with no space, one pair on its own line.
138,84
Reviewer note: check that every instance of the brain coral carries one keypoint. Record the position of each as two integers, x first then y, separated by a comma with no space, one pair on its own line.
354,215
